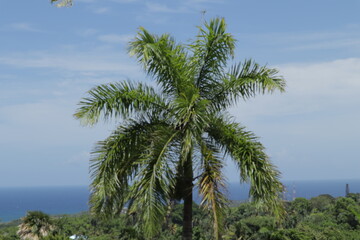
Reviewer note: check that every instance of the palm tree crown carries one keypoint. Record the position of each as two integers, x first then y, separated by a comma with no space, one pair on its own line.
176,136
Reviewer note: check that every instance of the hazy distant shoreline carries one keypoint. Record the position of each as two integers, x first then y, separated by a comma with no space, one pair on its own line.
16,201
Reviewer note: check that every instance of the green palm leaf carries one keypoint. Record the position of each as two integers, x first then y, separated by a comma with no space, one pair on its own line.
247,79
253,163
162,59
116,162
211,51
153,183
212,186
119,100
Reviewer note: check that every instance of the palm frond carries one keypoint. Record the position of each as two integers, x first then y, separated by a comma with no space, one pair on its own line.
153,184
162,59
246,80
115,163
211,50
212,185
254,165
119,100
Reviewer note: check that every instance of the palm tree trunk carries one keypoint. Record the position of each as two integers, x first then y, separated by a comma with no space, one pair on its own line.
188,199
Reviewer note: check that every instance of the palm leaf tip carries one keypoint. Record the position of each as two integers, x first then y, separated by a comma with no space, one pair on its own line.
212,186
254,165
246,80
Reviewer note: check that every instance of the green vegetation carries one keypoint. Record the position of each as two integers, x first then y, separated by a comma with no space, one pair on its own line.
173,137
35,225
320,218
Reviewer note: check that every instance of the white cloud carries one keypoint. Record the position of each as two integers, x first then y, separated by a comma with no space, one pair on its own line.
70,61
101,10
314,123
162,8
44,136
299,41
339,78
329,44
23,26
87,32
7,76
46,123
310,88
116,38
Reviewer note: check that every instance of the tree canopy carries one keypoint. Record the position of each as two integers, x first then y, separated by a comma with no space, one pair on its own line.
242,221
178,134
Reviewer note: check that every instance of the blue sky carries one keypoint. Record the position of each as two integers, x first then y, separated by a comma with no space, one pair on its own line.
49,58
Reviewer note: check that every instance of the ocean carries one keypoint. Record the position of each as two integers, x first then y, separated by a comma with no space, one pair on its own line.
15,202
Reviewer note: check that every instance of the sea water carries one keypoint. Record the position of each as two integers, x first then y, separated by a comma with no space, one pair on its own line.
15,202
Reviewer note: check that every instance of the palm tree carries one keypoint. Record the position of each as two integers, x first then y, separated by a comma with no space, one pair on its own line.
174,137
35,225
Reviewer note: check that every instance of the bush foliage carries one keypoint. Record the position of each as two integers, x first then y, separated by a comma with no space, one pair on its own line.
319,218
